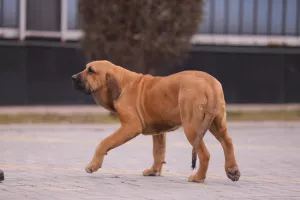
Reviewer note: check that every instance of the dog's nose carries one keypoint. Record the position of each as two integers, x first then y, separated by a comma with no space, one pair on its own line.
74,77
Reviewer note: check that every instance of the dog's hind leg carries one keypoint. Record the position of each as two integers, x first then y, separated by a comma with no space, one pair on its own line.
192,126
197,114
203,155
219,130
159,153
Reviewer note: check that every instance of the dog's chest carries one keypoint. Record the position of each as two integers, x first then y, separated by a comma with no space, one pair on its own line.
159,127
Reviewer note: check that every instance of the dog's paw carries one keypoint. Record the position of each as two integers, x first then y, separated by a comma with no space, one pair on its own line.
233,173
195,178
151,172
90,168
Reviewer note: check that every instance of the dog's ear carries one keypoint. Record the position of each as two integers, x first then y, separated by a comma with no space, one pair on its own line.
113,87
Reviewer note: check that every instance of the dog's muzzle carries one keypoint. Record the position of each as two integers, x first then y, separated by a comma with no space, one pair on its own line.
76,81
78,84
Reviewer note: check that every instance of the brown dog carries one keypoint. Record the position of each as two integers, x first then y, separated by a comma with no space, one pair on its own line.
156,105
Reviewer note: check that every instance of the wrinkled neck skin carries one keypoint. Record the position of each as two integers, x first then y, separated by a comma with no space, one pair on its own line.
124,78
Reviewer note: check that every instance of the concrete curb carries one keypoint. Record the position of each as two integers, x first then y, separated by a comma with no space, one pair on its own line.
263,107
94,109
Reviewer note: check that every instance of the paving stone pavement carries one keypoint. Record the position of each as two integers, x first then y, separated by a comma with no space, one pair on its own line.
47,162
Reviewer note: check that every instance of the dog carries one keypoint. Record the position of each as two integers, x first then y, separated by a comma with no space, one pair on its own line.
155,105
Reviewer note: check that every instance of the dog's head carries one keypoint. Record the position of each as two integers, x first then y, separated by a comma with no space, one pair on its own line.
98,76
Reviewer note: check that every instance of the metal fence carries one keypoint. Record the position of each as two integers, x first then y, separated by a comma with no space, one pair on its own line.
240,22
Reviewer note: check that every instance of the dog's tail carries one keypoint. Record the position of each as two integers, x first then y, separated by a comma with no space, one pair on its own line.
208,119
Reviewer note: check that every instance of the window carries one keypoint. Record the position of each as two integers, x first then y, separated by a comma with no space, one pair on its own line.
262,17
73,15
291,17
9,12
233,17
43,15
204,27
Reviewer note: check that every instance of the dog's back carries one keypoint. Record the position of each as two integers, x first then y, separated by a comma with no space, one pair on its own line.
172,86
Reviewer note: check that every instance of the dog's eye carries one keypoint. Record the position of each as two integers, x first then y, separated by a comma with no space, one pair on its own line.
90,70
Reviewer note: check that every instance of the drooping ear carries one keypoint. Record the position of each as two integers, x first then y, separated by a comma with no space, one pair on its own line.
113,86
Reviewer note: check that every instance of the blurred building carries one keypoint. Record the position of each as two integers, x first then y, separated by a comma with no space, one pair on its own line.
251,46
241,22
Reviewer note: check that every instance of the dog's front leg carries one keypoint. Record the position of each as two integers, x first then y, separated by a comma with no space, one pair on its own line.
159,154
121,136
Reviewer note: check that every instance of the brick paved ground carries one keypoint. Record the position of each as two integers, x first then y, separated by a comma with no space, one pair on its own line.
47,162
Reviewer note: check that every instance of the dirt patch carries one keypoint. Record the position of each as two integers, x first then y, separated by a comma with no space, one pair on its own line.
293,115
